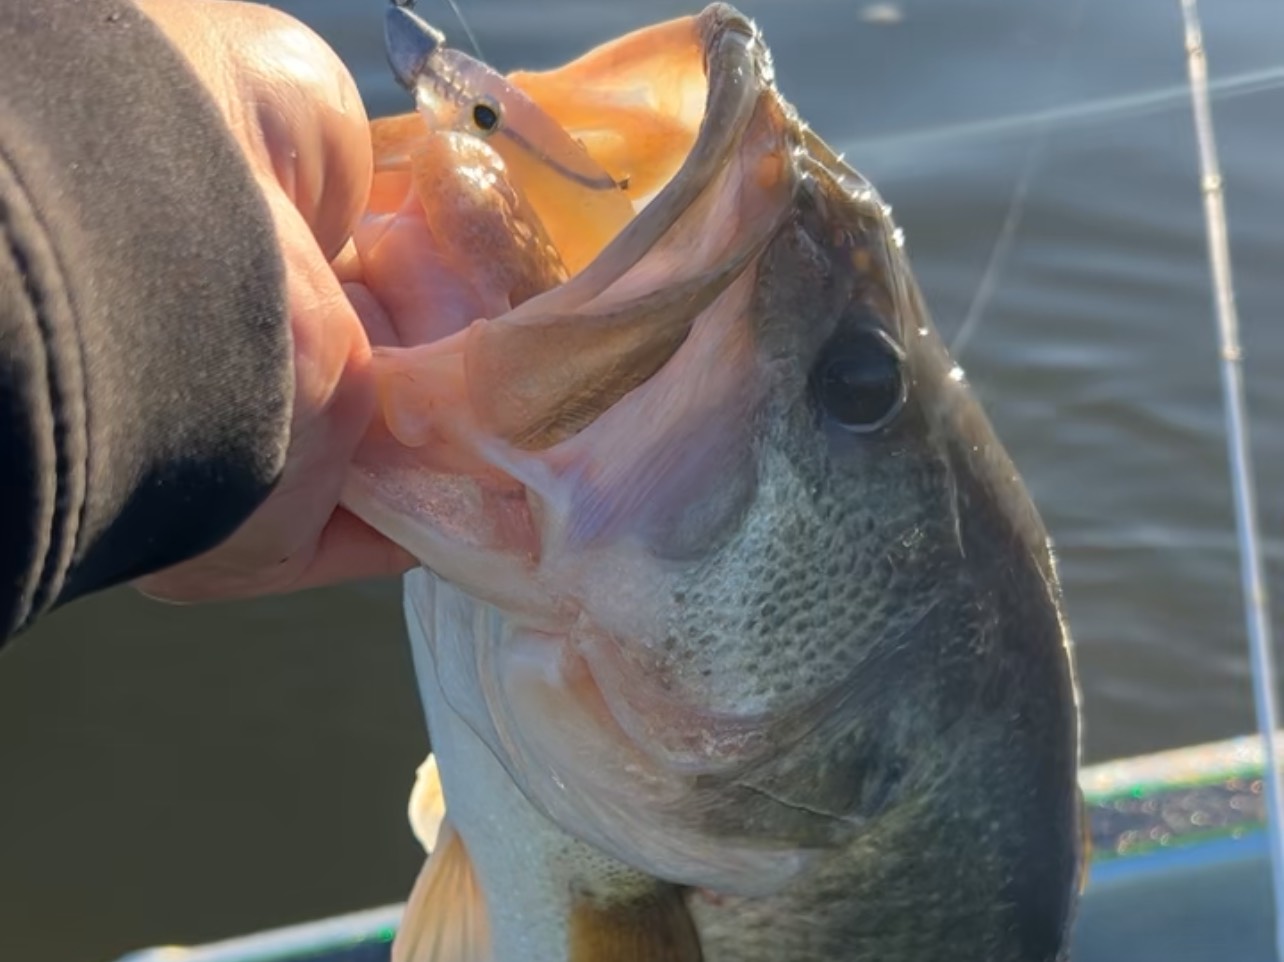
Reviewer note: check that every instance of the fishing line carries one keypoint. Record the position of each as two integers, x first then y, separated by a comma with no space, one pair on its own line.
459,15
1003,241
1093,111
999,252
468,31
1253,584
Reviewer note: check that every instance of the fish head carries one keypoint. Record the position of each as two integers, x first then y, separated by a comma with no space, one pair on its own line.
752,570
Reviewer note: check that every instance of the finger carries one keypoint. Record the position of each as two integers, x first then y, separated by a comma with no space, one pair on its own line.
351,550
331,349
347,264
347,550
314,129
379,326
406,269
288,99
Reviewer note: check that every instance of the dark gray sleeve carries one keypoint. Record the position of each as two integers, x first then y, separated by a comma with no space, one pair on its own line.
145,375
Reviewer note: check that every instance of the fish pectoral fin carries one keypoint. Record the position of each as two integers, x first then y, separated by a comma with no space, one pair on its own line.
427,807
655,927
445,916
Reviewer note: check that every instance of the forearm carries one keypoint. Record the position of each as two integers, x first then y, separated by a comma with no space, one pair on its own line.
144,352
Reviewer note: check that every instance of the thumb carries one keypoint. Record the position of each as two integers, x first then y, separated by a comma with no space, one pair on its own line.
289,101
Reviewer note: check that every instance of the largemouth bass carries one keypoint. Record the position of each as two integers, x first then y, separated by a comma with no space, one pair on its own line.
738,634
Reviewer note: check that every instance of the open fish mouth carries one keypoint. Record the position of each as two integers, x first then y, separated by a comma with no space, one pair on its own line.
578,458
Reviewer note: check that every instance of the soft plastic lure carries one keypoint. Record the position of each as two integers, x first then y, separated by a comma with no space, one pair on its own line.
580,205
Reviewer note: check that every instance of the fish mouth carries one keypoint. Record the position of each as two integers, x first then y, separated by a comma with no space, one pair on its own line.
568,355
545,462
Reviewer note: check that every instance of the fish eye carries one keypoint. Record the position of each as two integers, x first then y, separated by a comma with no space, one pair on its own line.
486,117
859,380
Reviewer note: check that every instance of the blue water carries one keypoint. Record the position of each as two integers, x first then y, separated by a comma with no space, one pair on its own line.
179,775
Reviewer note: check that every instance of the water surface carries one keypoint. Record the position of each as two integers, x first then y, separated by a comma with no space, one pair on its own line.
176,774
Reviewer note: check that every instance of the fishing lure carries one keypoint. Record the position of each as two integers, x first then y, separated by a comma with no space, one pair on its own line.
581,206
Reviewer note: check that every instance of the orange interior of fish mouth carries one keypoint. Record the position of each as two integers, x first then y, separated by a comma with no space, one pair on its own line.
635,104
684,113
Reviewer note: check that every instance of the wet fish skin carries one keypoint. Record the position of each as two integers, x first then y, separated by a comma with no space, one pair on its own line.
878,610
912,565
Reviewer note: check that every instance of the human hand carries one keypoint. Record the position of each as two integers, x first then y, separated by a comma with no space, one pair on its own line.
295,111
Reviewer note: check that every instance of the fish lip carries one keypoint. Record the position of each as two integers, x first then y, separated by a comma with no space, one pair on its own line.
719,17
738,70
409,42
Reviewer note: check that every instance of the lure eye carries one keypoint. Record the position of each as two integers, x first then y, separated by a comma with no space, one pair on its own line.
485,117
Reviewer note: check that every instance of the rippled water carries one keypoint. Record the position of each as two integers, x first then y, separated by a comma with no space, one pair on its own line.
184,774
